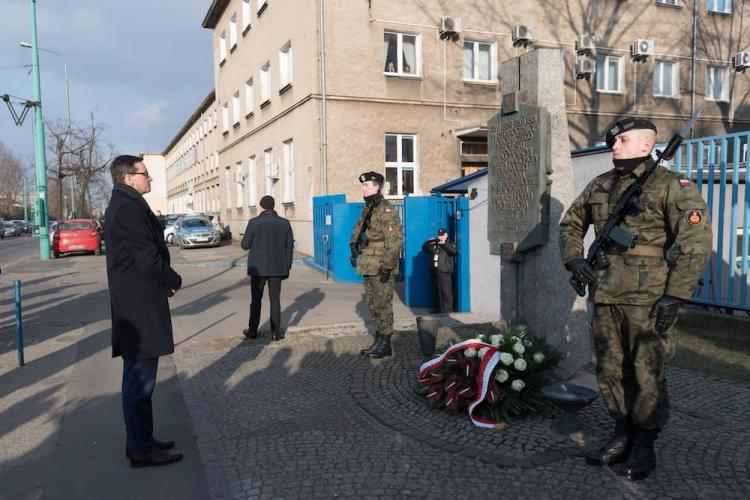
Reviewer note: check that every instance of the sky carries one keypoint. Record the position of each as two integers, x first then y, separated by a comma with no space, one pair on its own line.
142,66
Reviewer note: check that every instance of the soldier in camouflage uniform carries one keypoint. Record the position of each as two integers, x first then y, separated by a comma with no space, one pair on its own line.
375,244
637,297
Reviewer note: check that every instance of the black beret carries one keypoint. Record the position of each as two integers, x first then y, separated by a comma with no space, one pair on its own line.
626,125
441,231
371,176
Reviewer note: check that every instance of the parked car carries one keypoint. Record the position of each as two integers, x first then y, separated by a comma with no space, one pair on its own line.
196,231
23,226
76,235
11,229
2,228
169,222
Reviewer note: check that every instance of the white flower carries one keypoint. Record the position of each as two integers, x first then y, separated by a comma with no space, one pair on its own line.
538,357
501,376
520,364
470,352
517,385
483,351
527,342
519,348
506,358
495,340
480,338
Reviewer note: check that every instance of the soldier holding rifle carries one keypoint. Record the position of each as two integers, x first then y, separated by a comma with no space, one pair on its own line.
653,241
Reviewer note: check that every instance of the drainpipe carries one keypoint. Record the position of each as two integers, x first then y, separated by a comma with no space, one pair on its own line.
324,118
692,65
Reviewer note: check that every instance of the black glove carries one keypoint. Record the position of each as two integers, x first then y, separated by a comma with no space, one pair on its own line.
582,270
355,254
665,310
385,274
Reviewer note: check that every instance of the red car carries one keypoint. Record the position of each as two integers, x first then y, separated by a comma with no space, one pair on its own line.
76,235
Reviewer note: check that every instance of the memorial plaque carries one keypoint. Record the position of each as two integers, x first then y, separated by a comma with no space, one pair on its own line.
519,161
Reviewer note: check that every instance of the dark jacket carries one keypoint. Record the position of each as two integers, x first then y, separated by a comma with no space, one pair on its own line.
139,276
271,243
445,254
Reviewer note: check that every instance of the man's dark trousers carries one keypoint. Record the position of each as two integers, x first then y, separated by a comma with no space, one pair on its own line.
138,381
442,287
257,284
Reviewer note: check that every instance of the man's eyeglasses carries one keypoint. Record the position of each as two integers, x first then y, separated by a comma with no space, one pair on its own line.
140,173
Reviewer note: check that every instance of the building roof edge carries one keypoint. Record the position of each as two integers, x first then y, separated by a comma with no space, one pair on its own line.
214,13
210,98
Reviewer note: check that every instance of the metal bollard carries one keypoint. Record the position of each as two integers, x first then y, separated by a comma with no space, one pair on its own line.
19,322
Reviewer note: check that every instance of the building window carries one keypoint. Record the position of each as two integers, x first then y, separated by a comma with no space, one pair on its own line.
675,3
249,97
272,174
252,179
402,54
261,5
265,83
222,47
236,108
480,61
721,6
716,83
289,171
245,15
239,181
228,187
666,79
233,31
400,165
225,117
608,71
285,65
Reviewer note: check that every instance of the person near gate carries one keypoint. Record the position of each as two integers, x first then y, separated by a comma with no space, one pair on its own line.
636,288
140,281
270,242
375,245
442,252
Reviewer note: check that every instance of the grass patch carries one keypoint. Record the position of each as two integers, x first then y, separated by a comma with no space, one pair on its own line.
719,353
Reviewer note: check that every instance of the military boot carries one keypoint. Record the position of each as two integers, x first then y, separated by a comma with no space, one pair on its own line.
382,349
617,449
643,458
365,352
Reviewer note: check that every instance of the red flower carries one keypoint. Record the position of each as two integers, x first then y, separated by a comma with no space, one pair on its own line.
455,359
467,392
467,367
453,383
493,392
425,381
436,377
435,394
452,400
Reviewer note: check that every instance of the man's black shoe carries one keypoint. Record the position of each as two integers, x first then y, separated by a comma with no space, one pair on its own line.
375,342
246,333
614,452
153,457
640,464
382,349
278,336
162,445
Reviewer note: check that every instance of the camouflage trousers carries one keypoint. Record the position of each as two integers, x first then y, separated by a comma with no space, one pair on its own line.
379,297
630,359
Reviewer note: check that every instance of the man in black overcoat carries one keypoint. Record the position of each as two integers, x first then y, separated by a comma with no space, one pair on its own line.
140,282
442,259
271,243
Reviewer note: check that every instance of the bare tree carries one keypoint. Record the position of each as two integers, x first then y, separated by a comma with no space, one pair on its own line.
12,173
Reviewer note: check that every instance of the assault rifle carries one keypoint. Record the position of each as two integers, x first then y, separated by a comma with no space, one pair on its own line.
362,240
612,233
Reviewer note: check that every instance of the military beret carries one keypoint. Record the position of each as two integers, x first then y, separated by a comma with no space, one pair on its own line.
626,125
371,176
441,231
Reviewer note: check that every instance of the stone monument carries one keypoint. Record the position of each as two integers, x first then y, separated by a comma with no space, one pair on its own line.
530,187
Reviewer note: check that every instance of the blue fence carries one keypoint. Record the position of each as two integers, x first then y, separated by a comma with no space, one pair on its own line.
718,166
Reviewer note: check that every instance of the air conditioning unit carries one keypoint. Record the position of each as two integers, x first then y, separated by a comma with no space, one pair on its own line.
585,68
641,49
741,61
585,44
450,25
522,35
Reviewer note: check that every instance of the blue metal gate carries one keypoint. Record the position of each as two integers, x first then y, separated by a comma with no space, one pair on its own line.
719,164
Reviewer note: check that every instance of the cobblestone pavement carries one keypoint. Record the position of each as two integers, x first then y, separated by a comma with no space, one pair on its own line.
309,418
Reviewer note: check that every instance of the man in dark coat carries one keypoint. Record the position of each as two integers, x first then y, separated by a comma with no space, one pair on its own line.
140,281
442,252
271,242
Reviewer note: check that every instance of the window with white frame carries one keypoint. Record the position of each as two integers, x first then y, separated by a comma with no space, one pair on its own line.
721,6
402,53
222,47
233,31
285,65
239,181
289,171
609,73
228,187
236,108
261,5
669,2
245,14
717,87
400,165
265,83
666,79
252,179
480,61
225,117
249,97
271,173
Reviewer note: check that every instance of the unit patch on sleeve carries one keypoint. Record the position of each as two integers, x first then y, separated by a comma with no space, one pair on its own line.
694,217
684,183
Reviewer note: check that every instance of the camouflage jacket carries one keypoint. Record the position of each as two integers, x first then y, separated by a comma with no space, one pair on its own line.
672,237
384,239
